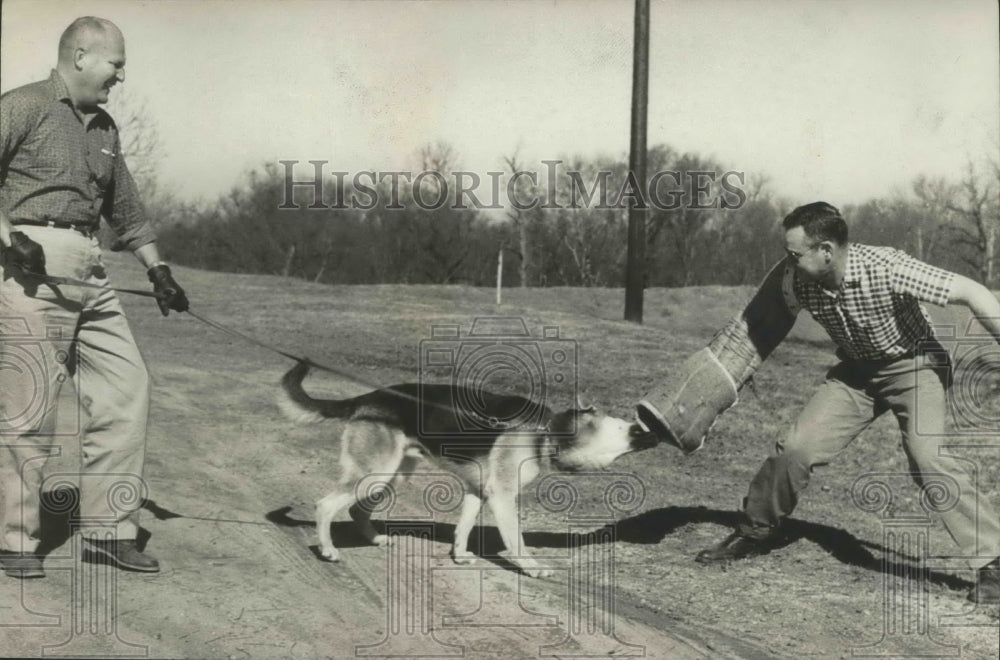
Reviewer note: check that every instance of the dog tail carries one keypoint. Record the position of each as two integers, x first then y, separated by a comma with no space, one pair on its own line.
301,408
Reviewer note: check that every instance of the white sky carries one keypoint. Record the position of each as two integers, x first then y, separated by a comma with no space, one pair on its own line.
840,101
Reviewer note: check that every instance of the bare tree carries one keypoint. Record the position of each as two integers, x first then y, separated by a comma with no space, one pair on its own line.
519,216
139,136
931,214
444,233
438,157
978,218
684,227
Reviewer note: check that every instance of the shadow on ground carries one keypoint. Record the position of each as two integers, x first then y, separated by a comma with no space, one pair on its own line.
646,528
60,518
60,515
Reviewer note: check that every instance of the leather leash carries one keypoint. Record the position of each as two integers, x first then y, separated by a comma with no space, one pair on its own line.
53,280
69,281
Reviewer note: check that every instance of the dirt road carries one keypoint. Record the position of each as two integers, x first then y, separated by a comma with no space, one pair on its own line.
228,511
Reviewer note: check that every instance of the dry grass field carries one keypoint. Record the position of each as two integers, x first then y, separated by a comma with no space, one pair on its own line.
232,485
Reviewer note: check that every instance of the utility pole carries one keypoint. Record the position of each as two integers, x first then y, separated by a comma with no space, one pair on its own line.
635,268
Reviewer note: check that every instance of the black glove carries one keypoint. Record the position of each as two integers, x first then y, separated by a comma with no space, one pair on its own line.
170,296
25,254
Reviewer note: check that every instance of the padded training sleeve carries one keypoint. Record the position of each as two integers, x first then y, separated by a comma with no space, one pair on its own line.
683,408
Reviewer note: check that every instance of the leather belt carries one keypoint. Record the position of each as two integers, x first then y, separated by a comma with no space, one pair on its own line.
56,224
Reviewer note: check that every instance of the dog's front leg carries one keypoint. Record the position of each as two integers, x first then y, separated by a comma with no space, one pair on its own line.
326,510
504,507
471,504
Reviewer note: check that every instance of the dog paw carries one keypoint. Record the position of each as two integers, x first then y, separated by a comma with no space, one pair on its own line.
531,568
463,557
381,540
329,554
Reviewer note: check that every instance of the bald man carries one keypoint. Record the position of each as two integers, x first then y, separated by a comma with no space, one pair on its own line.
61,169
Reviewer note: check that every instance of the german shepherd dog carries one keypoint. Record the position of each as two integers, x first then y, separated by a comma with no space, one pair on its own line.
389,429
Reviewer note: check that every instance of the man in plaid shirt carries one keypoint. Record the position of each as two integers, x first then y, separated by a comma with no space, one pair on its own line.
869,300
61,169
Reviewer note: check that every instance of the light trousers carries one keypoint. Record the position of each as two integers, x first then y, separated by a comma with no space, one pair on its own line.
50,334
853,395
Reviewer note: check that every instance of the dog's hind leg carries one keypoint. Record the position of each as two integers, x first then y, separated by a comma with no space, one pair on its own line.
361,513
471,504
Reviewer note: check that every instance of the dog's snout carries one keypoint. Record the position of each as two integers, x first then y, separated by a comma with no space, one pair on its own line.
641,437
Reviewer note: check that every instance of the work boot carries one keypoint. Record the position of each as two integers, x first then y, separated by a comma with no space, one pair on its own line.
987,587
734,546
21,564
122,554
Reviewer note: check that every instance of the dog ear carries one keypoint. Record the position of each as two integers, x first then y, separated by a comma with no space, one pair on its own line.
585,417
568,422
583,408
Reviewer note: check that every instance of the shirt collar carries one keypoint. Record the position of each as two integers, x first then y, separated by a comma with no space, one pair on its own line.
854,272
60,90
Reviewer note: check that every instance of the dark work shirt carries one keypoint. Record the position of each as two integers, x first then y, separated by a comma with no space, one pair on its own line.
58,164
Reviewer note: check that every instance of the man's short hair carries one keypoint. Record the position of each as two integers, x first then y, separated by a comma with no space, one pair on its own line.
820,221
85,25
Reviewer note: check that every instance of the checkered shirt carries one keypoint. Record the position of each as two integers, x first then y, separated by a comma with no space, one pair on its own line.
876,314
55,164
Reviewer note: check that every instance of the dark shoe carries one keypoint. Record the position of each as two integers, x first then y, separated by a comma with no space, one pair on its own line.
987,588
21,564
121,554
735,546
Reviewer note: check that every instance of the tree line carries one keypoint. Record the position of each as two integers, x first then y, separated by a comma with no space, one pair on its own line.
711,226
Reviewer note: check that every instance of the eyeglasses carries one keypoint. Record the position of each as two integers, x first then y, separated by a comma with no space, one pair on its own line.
795,256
